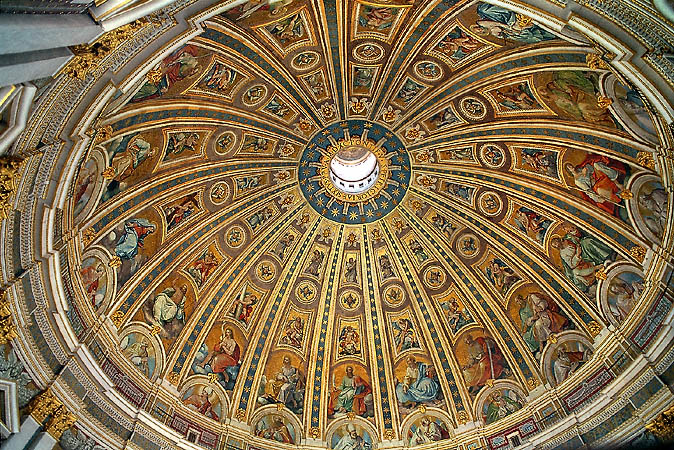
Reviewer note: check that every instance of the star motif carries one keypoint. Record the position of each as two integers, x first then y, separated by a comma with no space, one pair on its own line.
353,215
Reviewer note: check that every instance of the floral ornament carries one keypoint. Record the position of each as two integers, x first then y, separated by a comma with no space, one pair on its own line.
303,220
414,133
359,105
352,239
287,150
305,126
425,156
416,204
281,176
398,223
287,201
376,235
390,115
427,181
326,235
328,110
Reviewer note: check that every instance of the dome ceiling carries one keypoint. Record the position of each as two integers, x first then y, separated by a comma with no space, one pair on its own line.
502,231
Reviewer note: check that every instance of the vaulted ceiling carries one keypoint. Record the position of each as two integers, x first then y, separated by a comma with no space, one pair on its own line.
224,283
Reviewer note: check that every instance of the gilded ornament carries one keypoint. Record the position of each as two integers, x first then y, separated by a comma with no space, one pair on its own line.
315,432
7,327
646,159
390,115
117,318
604,102
88,236
389,434
638,253
154,76
600,274
9,178
60,422
328,110
87,57
595,62
358,105
287,150
103,134
552,338
626,194
280,406
414,133
109,173
523,21
489,382
462,417
422,409
240,414
156,329
43,405
212,378
663,425
532,383
115,262
173,377
305,126
594,328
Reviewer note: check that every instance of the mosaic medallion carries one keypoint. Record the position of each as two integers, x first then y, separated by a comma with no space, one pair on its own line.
354,172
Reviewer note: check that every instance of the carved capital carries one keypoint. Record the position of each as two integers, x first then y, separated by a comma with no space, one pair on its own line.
7,328
87,57
60,422
663,425
43,406
9,178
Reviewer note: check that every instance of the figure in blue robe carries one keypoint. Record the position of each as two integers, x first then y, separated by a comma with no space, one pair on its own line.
135,232
503,23
420,384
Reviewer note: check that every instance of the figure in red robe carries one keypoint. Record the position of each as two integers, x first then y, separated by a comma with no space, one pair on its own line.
350,395
601,180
